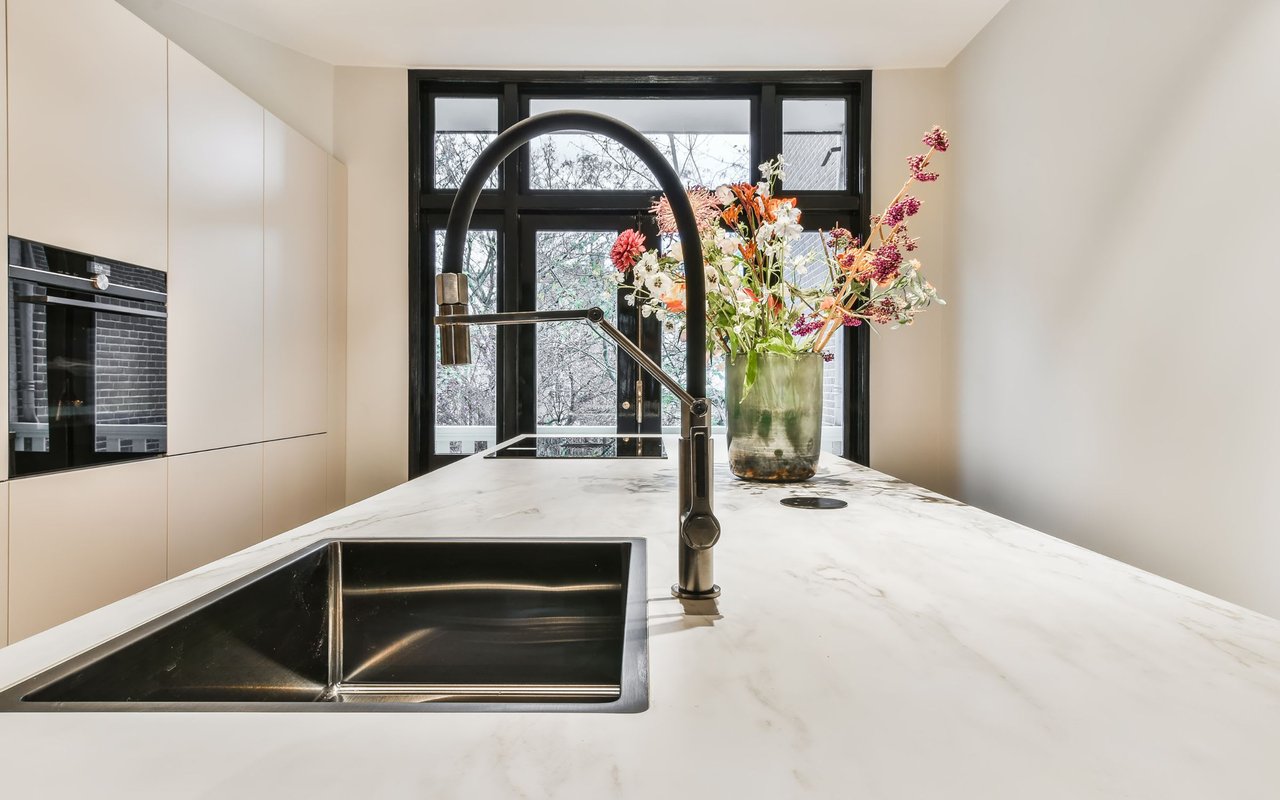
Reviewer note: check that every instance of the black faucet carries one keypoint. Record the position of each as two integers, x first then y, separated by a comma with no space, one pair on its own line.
698,526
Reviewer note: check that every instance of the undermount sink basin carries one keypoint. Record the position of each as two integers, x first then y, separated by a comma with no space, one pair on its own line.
404,624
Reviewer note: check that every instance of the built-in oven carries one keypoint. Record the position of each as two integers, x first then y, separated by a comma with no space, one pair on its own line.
87,360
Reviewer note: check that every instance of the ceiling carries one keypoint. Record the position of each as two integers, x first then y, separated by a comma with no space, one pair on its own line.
656,34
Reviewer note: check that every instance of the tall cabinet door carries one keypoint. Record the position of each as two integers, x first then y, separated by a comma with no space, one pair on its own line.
87,129
296,274
83,539
215,251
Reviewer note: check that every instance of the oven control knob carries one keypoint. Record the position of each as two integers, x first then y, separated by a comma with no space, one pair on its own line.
100,282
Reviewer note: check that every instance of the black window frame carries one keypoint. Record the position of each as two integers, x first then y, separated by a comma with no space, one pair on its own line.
512,202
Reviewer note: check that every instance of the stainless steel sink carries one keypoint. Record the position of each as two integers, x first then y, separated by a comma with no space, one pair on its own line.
395,625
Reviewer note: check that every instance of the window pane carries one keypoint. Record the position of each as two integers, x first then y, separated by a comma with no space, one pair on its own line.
708,141
463,127
674,362
810,244
577,367
814,144
467,396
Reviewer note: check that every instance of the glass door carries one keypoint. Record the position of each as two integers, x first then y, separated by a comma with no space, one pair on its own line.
575,381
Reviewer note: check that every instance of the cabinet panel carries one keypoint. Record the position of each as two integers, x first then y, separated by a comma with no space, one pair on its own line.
294,480
215,505
4,234
80,540
296,277
337,427
87,153
4,564
215,253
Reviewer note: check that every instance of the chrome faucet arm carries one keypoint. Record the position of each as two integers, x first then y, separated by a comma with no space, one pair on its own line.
594,315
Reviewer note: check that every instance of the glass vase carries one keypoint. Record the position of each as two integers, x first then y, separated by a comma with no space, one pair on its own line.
775,428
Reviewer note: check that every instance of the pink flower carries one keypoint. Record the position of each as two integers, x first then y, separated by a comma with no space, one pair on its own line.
885,263
806,325
706,210
841,238
628,247
896,213
937,139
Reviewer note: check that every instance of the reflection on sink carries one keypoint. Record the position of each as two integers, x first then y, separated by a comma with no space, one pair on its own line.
543,446
414,624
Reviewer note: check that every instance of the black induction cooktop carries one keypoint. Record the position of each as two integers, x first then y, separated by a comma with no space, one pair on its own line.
531,446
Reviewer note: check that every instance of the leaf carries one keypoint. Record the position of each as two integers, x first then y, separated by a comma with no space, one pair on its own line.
753,371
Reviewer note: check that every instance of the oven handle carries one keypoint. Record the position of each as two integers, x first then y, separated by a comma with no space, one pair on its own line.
44,299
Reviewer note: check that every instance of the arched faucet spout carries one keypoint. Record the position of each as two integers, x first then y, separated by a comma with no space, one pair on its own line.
698,527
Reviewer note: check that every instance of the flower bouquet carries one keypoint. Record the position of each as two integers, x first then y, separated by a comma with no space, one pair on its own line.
768,315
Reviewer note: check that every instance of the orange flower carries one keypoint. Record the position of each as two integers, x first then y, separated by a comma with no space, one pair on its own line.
730,215
745,192
674,300
748,250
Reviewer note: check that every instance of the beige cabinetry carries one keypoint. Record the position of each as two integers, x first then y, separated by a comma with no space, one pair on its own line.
215,255
215,505
4,564
294,481
296,278
337,426
87,152
80,540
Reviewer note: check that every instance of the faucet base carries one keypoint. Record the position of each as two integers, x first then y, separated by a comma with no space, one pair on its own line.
685,594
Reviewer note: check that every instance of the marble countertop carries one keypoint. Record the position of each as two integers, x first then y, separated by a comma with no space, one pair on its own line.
907,646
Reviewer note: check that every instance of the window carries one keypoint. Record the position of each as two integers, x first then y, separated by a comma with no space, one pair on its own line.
543,227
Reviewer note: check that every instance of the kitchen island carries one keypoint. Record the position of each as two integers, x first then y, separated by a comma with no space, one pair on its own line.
907,646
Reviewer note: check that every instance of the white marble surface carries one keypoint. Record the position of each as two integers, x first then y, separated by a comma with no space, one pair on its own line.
905,647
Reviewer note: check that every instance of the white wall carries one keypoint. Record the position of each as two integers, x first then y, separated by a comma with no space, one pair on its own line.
296,88
1116,280
371,136
912,428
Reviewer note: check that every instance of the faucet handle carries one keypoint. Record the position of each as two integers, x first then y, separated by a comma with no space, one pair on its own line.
452,296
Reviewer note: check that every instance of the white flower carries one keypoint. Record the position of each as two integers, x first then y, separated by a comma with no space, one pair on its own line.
724,195
647,264
659,283
631,299
787,221
728,241
762,189
773,169
660,314
646,311
676,251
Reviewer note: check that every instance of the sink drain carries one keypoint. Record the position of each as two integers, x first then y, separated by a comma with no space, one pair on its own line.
813,502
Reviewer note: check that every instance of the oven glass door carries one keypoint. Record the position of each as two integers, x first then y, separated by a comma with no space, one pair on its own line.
88,378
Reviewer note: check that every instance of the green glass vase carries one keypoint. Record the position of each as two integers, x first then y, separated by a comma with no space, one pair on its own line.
775,427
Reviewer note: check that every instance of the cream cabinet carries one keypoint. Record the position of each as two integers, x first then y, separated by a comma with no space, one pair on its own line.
4,564
83,539
215,505
337,427
294,483
87,156
4,329
215,260
296,277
